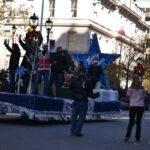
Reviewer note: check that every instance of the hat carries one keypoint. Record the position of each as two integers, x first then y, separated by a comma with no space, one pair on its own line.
94,61
59,49
44,45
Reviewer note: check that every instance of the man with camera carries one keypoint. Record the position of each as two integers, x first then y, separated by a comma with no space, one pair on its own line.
82,89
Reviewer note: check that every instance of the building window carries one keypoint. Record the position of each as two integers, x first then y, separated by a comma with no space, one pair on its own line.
148,43
71,43
147,16
74,8
52,7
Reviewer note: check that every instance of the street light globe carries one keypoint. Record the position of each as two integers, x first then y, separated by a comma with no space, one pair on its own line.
33,21
49,24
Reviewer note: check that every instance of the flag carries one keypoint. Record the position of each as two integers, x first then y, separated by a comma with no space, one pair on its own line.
122,32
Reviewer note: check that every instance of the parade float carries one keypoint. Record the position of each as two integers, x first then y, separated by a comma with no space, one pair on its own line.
43,108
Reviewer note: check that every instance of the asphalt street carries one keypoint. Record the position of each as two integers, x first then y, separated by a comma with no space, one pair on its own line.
16,134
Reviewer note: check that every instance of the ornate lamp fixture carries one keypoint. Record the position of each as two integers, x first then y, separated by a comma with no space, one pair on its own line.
48,25
33,21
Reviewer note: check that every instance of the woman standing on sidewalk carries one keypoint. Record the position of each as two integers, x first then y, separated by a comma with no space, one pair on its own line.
136,96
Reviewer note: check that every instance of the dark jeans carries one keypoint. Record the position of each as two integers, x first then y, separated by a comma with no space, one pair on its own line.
79,111
135,113
26,80
56,79
45,74
12,81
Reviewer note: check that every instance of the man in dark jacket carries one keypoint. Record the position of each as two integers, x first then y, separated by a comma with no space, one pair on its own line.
59,65
13,64
82,89
94,72
30,49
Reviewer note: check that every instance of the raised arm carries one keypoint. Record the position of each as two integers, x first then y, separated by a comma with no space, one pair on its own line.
7,46
23,45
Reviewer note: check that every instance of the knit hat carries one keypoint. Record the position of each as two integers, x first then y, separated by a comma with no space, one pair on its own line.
94,61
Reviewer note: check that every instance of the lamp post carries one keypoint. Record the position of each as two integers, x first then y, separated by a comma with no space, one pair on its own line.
13,32
33,21
48,25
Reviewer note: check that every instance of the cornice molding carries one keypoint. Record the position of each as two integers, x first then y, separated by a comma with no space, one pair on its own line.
124,7
127,11
89,23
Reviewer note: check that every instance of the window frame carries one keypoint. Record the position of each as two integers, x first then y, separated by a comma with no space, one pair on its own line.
52,8
74,4
71,40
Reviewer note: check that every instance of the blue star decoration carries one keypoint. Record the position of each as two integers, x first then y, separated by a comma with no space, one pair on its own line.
94,53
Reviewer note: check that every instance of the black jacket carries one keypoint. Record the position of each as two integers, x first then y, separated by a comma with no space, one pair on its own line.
14,57
59,63
94,72
27,62
82,89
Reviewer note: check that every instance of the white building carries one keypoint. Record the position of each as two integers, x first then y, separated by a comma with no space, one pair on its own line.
145,5
75,21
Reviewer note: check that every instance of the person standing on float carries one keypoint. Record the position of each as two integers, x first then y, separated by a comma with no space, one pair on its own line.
13,64
59,66
27,61
43,68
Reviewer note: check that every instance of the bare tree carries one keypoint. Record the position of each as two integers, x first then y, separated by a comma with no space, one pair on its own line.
131,50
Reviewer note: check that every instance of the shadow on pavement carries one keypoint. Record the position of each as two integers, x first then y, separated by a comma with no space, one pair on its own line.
17,120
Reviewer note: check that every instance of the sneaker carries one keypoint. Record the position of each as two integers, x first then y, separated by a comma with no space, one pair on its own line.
79,134
126,139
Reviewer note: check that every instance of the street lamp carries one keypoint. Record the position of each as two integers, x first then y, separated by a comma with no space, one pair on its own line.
33,21
48,25
13,32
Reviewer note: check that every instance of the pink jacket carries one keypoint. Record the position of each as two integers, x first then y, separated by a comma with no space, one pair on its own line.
136,97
